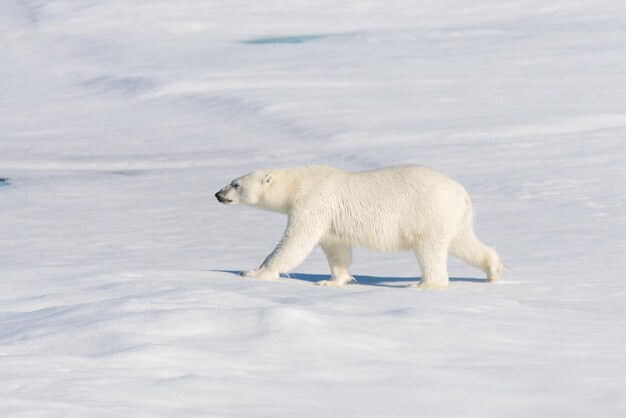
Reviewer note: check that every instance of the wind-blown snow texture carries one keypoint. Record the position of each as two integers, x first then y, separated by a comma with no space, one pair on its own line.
119,121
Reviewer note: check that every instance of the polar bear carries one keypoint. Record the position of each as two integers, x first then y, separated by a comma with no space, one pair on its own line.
398,208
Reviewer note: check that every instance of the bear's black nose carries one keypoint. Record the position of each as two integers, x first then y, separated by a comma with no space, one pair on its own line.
218,196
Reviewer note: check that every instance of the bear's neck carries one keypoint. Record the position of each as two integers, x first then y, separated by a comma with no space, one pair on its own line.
280,192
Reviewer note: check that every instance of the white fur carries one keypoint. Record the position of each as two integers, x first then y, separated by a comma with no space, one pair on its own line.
391,209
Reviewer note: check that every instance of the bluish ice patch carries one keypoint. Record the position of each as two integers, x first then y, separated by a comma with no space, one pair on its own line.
125,85
4,182
295,39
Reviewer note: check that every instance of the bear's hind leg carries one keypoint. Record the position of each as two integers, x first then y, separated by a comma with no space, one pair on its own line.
339,257
432,256
468,248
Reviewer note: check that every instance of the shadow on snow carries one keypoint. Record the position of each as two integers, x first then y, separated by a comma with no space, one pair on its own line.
364,280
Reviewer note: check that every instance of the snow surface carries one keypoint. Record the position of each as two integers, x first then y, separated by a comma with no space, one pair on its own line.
119,120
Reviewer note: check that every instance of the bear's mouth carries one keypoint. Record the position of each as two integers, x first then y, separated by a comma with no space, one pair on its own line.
222,199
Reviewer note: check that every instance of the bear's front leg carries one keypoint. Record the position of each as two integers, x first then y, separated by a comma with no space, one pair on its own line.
339,257
302,234
432,256
261,274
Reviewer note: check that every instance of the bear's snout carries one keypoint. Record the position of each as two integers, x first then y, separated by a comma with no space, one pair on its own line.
220,197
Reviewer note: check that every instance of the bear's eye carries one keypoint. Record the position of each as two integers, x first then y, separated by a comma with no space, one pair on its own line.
236,186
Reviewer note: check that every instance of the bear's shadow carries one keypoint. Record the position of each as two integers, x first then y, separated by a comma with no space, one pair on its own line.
364,280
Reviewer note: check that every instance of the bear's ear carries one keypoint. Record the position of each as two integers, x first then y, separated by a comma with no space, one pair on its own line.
266,178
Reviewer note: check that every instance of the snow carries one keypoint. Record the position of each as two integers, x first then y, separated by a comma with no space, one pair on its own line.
120,120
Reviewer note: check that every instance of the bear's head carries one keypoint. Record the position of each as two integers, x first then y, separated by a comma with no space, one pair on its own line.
248,189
